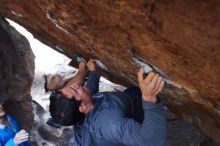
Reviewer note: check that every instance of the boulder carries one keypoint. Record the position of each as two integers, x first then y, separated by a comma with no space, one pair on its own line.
180,39
45,135
16,74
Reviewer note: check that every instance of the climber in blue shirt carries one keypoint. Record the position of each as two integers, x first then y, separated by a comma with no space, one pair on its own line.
134,117
10,133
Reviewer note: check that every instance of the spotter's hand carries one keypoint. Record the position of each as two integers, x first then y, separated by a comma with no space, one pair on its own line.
20,137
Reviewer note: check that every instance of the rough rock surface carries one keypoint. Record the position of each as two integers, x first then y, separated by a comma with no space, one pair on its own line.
45,135
177,38
16,74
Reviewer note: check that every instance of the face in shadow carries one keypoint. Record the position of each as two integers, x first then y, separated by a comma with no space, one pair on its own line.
54,82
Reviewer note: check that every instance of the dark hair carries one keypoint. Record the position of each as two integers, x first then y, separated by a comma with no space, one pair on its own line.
45,83
2,100
65,111
5,120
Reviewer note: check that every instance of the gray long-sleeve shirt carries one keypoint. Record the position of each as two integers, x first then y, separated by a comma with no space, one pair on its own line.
112,123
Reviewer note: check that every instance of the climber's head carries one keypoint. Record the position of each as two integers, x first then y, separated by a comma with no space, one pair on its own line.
64,111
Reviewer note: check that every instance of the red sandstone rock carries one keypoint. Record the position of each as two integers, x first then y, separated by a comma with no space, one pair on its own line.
178,38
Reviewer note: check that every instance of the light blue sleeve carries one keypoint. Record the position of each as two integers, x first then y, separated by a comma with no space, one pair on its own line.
116,128
10,143
17,129
14,123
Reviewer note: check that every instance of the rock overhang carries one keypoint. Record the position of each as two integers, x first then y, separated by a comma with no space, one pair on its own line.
178,39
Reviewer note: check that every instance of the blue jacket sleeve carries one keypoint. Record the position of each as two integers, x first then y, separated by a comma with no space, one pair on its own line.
14,123
116,128
10,143
16,128
93,81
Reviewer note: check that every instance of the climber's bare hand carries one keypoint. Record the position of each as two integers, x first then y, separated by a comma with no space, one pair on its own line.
91,65
67,92
150,86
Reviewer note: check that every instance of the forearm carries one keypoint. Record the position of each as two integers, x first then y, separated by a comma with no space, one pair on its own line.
154,125
93,82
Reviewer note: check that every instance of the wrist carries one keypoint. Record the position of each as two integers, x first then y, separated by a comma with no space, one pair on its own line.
15,143
92,69
150,99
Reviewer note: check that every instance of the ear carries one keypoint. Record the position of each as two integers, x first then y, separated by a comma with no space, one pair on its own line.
81,109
